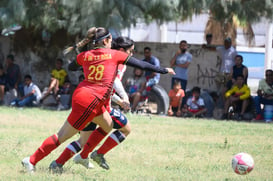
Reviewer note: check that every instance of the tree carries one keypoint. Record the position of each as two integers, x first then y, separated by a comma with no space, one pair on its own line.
75,17
227,16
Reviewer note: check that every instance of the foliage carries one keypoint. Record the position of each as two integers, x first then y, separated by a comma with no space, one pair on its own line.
78,16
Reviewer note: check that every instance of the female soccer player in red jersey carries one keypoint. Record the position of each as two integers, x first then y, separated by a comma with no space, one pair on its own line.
88,100
120,121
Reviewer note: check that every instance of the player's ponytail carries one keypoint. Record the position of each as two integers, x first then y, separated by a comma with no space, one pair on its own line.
90,36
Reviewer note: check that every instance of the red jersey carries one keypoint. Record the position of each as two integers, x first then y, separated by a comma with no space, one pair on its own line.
121,70
120,73
100,69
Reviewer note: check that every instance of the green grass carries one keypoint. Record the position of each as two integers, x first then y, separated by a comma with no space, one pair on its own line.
159,148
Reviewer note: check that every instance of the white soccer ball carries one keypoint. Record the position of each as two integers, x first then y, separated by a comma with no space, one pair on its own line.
242,163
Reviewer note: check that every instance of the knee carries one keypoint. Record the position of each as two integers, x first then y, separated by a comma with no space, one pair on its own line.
127,131
82,141
109,127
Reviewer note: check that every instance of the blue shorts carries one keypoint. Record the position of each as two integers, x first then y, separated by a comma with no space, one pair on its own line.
118,118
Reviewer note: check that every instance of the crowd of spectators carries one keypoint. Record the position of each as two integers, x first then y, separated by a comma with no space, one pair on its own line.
17,93
233,74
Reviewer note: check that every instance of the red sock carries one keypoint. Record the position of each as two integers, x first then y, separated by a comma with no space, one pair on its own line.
47,146
93,140
113,140
69,152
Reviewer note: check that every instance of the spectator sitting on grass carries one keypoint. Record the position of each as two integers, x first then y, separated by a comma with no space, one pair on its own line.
32,94
264,93
195,106
176,96
238,96
135,87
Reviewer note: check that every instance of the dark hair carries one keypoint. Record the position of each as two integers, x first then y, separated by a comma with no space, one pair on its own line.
94,35
183,41
239,75
59,60
196,89
100,34
147,48
10,56
176,82
269,70
209,35
136,68
28,77
240,56
122,42
228,39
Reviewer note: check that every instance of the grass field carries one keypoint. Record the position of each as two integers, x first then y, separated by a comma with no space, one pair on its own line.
159,148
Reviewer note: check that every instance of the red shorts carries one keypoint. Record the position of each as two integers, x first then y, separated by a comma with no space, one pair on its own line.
85,106
194,110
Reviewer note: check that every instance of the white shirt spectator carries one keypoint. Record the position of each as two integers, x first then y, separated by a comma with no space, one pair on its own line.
195,105
33,88
228,58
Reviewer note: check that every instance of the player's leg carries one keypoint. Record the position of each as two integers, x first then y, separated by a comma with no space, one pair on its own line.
105,122
124,128
73,148
49,144
106,125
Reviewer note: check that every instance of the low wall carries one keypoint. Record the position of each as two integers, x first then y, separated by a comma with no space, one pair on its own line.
202,71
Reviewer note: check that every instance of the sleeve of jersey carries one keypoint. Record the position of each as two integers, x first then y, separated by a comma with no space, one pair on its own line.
231,91
246,94
144,65
116,98
118,87
122,56
80,58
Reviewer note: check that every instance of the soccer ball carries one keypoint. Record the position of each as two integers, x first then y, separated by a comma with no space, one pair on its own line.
242,163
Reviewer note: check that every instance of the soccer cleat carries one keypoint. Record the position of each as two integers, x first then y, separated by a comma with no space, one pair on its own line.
84,162
30,168
55,168
99,159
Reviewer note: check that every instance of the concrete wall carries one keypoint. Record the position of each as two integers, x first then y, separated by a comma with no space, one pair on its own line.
202,71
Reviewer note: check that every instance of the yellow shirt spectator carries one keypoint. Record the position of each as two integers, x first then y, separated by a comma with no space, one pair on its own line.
60,75
243,92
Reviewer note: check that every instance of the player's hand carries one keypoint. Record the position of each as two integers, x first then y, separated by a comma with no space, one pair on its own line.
170,71
125,105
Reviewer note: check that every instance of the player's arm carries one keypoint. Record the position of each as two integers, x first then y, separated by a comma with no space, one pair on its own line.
147,66
118,87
